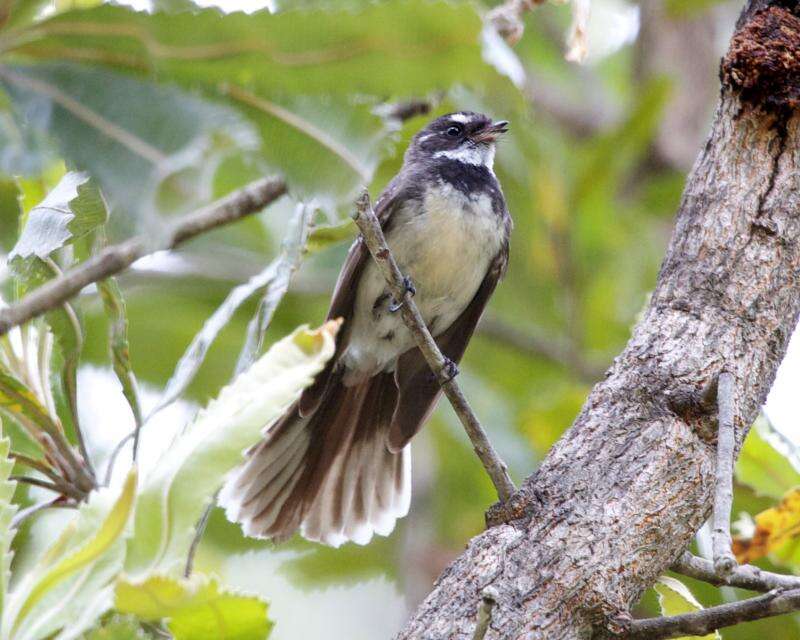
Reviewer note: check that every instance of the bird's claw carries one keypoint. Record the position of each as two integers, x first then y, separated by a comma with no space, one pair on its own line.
410,291
450,369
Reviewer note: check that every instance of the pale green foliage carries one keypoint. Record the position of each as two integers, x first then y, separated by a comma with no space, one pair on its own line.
169,109
675,598
70,211
7,511
74,575
764,468
195,609
118,628
192,469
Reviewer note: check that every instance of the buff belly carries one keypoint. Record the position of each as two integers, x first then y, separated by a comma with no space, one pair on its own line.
445,242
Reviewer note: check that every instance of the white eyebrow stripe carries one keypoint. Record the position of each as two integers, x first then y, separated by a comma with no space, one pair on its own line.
463,118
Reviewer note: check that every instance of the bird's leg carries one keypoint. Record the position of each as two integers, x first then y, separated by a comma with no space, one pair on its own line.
724,560
410,290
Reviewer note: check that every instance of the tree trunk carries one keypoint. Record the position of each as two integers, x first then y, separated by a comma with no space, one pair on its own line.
622,493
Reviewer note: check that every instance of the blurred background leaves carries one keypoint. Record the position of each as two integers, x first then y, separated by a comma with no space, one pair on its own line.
168,105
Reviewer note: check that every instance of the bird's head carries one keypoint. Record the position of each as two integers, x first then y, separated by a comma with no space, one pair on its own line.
464,137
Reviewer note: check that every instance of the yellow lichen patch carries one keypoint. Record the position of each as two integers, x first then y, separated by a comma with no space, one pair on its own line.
774,527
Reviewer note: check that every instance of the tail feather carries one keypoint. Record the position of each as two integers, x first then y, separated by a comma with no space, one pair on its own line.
328,474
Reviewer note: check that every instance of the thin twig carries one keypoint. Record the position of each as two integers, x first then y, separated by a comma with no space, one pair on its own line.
112,459
376,243
60,489
44,469
705,621
724,560
200,529
744,576
115,258
53,503
488,600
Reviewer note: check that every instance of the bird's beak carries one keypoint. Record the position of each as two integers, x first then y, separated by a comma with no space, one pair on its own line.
492,132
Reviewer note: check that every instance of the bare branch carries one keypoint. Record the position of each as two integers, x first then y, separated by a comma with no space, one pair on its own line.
705,621
744,576
113,259
724,560
376,243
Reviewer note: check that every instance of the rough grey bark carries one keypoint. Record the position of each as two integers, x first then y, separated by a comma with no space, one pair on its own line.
620,496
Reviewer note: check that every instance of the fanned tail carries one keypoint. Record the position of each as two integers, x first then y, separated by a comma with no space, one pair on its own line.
328,474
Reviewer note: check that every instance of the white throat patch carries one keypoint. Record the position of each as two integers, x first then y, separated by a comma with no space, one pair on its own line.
477,155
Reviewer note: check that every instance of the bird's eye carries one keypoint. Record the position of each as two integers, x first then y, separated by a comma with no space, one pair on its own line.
454,131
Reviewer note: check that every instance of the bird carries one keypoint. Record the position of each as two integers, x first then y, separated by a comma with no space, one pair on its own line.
337,465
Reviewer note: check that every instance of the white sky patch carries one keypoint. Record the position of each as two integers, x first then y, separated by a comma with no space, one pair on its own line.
782,402
369,609
248,6
106,418
614,24
497,53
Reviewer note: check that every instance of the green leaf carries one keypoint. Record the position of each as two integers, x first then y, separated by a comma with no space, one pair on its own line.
675,598
764,468
327,147
22,404
23,12
118,628
308,79
10,212
114,306
395,48
151,147
196,609
70,211
190,472
7,511
326,236
70,586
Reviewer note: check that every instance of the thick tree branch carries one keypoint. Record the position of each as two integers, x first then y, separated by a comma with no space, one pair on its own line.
744,576
705,621
373,237
115,258
623,492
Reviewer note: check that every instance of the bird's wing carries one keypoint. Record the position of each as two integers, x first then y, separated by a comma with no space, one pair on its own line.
419,389
344,295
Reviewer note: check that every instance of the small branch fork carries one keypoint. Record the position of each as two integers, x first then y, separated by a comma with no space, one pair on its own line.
115,258
781,592
443,368
705,621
